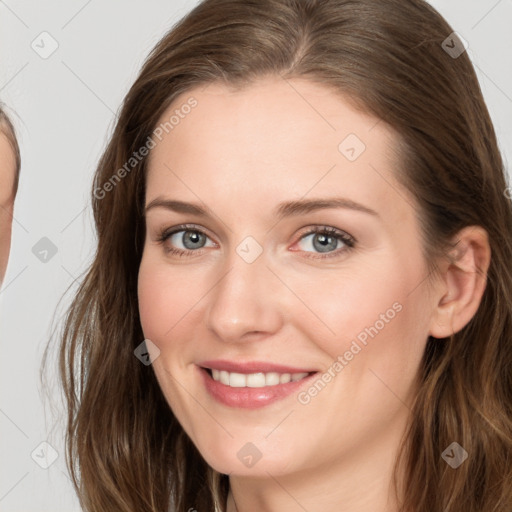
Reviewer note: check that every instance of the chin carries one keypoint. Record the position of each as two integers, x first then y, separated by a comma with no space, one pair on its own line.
247,460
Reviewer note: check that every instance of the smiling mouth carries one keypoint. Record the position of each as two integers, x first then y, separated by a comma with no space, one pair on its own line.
255,380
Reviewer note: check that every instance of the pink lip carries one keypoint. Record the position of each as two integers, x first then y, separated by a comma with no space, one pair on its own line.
251,367
250,398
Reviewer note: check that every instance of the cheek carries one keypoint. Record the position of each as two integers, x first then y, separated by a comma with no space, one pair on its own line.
168,298
149,305
162,308
158,300
373,318
5,238
343,304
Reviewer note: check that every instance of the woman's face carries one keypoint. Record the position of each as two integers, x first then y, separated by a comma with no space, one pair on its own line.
254,291
7,176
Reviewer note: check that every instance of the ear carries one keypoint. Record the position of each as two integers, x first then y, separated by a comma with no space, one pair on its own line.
464,277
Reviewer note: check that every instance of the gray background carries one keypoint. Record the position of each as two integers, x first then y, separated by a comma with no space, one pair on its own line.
63,108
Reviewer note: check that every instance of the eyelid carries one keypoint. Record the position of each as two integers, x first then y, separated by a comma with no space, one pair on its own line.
166,233
321,228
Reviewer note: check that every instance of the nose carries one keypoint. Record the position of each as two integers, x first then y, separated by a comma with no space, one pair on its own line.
246,303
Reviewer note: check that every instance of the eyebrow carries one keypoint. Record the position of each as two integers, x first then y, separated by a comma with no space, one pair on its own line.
286,209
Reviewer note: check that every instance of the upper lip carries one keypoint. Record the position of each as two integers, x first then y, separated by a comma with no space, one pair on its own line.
251,367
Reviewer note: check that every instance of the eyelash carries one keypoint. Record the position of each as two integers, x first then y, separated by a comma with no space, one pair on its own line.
348,240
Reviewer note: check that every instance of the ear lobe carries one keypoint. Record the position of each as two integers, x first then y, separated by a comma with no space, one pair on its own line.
463,282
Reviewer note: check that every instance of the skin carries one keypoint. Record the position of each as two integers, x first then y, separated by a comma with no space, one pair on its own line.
240,154
7,174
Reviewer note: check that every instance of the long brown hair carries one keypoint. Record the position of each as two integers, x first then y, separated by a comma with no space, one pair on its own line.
125,449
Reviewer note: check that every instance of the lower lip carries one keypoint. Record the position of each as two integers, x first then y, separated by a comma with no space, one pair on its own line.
250,398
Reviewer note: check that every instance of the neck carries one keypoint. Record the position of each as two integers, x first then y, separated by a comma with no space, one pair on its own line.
354,483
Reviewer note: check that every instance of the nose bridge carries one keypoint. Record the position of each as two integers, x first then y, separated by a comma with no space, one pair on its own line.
241,301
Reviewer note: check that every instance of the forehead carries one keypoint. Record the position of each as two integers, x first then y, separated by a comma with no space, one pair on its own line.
272,139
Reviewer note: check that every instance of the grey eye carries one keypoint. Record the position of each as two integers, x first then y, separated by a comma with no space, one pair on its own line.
189,239
321,242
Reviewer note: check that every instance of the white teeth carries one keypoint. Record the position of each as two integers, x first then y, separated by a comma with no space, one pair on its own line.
271,379
285,377
224,377
255,380
237,380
